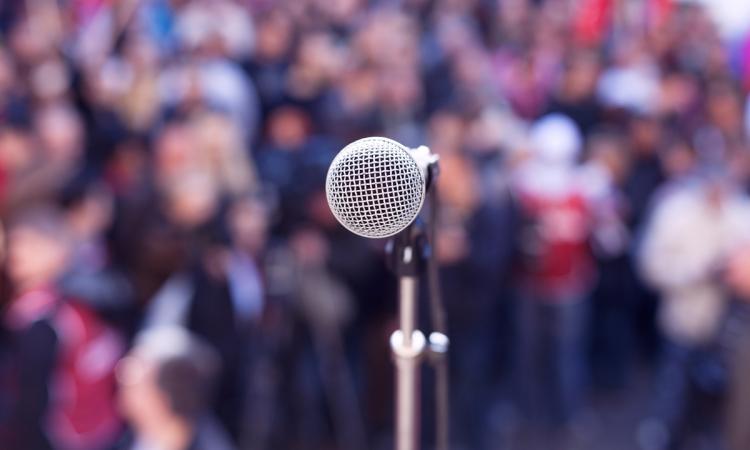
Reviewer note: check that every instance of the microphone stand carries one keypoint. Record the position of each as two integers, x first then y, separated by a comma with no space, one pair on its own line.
408,253
408,344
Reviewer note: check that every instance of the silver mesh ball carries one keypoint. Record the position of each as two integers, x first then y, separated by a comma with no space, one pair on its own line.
375,187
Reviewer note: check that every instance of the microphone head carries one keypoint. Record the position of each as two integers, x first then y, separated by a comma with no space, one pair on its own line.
375,188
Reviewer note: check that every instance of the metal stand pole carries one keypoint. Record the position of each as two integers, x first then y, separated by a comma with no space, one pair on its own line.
408,252
407,345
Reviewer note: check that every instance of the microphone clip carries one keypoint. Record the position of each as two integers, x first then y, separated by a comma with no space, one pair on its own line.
428,163
408,251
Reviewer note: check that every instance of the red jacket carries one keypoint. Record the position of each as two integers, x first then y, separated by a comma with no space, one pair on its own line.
556,258
78,409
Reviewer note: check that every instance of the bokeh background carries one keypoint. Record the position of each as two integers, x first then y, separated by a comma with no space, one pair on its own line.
172,277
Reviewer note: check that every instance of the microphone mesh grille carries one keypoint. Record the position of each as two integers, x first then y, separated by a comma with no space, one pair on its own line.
375,187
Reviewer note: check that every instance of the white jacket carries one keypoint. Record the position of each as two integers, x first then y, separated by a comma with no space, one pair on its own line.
683,249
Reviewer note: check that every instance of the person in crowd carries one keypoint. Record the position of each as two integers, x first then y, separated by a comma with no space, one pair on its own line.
57,399
187,143
612,313
166,382
54,159
737,276
196,290
694,226
556,272
91,275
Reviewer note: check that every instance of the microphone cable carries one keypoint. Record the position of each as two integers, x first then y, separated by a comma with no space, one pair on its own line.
438,359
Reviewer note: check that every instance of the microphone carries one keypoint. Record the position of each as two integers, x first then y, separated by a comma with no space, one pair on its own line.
376,187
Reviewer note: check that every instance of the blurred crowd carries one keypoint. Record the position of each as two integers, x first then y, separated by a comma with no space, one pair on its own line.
173,279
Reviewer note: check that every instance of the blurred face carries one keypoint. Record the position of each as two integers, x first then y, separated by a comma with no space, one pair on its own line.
27,45
60,134
93,215
360,89
34,259
141,402
192,200
609,154
7,72
645,135
15,150
738,272
580,79
310,247
141,52
446,132
470,68
717,192
49,80
249,225
274,36
318,54
678,161
342,11
288,128
401,91
725,111
458,184
128,166
678,92
452,245
175,151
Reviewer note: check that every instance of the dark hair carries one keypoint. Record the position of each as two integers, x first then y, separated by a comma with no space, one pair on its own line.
44,219
75,191
186,388
187,379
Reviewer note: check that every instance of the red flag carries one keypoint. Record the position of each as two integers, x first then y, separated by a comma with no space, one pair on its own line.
592,21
